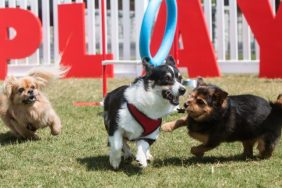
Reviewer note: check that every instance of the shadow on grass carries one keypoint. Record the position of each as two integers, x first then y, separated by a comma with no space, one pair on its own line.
174,161
8,138
101,163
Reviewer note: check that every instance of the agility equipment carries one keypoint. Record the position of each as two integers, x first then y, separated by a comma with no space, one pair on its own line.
145,35
146,31
145,38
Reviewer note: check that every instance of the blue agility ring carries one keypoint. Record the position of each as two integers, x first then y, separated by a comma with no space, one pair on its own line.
146,31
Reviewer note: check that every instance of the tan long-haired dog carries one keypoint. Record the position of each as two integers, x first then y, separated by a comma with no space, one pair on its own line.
23,106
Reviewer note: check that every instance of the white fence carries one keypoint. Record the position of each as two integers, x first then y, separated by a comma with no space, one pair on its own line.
233,41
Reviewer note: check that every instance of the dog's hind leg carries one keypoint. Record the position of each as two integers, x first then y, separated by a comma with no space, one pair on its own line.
21,130
266,145
248,148
25,133
142,149
116,144
9,124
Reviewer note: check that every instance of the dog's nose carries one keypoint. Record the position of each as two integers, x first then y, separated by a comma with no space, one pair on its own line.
182,90
186,104
30,92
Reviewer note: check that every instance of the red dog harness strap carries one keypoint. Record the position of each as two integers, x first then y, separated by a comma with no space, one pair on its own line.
149,125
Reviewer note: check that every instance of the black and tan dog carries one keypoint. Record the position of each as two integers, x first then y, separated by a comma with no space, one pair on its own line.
214,117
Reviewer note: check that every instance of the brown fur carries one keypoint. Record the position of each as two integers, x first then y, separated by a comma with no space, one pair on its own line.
214,117
23,106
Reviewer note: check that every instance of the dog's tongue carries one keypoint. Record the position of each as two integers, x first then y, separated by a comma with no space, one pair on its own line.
175,101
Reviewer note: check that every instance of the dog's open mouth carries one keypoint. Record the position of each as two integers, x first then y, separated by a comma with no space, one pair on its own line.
29,100
167,94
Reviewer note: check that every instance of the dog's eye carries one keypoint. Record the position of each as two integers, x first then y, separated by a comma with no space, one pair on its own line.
20,90
32,87
200,102
167,78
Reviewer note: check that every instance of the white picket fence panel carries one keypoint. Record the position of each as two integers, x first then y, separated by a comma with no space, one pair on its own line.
235,46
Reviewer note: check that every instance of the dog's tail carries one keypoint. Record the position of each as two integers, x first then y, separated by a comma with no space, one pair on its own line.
279,99
276,111
277,104
45,75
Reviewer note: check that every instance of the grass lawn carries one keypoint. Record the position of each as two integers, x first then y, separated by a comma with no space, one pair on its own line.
79,156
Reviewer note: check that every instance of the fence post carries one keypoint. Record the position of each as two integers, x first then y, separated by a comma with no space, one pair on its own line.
233,34
114,29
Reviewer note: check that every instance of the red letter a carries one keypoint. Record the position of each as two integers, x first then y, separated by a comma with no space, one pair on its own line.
198,53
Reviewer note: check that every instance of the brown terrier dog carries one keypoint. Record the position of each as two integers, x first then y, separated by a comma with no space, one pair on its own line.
23,106
214,117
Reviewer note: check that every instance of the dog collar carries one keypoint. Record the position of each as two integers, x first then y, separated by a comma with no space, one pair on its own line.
149,125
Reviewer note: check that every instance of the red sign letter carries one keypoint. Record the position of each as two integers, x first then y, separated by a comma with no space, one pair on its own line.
268,31
198,53
72,43
27,39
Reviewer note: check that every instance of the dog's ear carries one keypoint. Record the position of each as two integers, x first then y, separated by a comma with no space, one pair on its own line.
44,76
201,82
40,82
8,85
170,61
147,66
219,95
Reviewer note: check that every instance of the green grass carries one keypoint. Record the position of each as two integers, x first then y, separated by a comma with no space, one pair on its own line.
78,157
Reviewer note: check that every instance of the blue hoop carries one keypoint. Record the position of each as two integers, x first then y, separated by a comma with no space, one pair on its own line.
146,31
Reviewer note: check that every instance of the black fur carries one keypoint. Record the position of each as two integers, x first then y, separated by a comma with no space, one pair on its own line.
237,118
241,120
112,104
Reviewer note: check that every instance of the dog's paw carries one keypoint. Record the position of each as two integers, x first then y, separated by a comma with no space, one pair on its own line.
142,164
195,151
142,160
265,155
149,156
55,129
167,127
33,137
115,162
55,132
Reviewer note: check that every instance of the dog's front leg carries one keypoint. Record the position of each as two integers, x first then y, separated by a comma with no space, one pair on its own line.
116,144
200,150
149,156
142,150
55,125
170,126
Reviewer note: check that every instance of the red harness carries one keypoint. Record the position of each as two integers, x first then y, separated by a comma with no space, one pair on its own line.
149,125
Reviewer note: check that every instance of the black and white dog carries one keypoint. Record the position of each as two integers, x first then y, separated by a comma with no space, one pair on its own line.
133,113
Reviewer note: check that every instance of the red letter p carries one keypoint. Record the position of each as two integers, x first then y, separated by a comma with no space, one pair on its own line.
27,39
